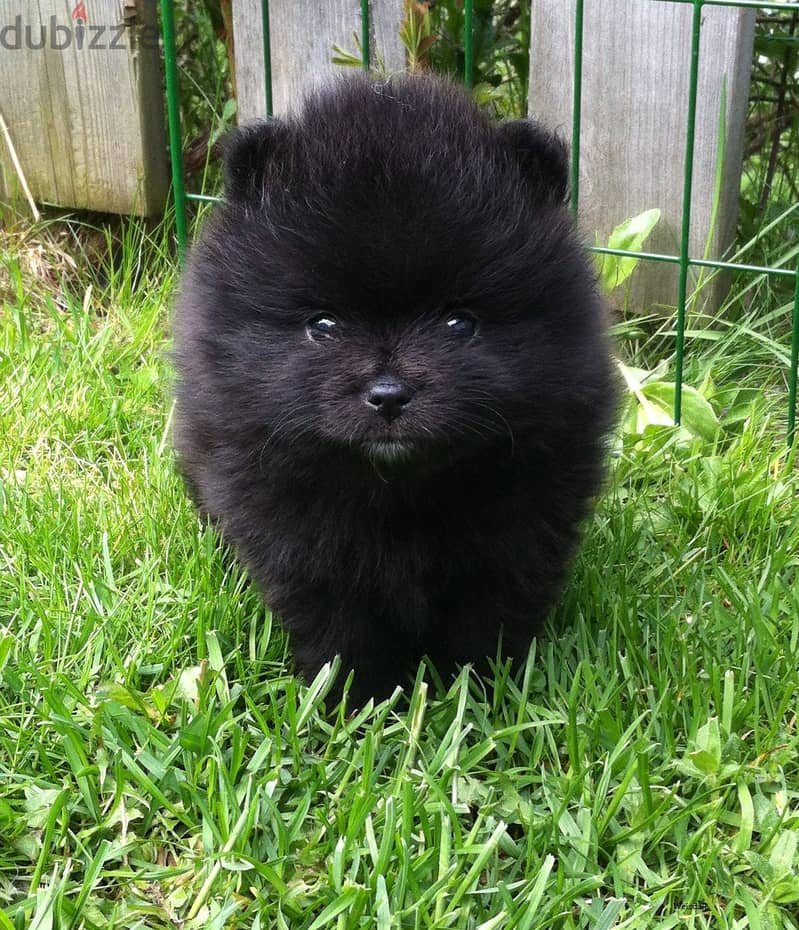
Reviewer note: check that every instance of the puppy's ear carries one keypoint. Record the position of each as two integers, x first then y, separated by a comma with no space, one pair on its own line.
251,153
542,157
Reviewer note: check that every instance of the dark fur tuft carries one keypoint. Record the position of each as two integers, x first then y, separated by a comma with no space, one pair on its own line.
440,245
543,157
251,153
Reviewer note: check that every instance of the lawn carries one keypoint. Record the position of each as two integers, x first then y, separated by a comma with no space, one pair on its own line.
160,766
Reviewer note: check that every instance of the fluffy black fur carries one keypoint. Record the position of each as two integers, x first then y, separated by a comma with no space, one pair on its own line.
394,383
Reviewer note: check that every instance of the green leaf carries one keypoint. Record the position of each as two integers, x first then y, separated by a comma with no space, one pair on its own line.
786,891
194,737
383,908
743,840
630,236
38,803
346,59
782,856
698,416
707,755
760,866
229,110
341,904
609,914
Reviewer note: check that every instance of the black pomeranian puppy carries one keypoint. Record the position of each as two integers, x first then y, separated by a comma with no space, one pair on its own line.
394,384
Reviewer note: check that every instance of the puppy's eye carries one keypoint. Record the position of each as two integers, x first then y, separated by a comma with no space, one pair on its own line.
321,327
461,324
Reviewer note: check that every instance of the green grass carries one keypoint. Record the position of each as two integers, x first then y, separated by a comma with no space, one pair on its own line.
160,767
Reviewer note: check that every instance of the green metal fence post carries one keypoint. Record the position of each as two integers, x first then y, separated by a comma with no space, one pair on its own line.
577,105
794,361
267,56
686,209
173,116
468,59
365,34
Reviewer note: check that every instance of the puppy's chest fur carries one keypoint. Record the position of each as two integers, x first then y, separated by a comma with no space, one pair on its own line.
407,551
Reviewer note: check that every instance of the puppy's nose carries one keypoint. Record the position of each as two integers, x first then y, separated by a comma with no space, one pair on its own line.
388,397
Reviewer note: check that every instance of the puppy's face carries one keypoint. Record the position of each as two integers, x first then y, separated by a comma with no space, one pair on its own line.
403,386
398,279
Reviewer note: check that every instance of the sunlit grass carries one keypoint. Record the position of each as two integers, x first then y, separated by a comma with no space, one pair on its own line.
161,767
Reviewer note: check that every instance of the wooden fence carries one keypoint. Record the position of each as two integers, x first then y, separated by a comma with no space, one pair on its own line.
82,104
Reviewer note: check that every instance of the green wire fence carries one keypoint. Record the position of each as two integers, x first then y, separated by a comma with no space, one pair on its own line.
683,259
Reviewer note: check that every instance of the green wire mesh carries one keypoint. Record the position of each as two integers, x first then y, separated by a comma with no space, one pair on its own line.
683,259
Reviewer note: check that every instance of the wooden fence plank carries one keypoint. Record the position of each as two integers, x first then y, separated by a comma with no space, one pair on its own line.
303,35
84,110
636,59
